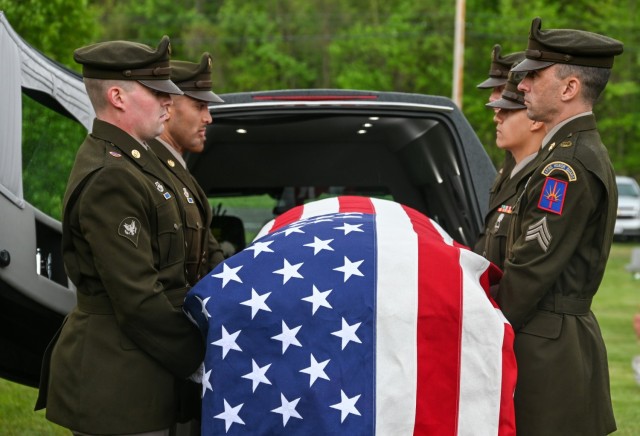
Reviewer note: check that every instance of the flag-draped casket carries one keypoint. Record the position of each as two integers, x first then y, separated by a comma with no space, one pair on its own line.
354,316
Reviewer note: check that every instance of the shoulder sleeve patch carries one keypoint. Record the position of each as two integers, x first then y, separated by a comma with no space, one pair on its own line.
560,166
553,195
129,228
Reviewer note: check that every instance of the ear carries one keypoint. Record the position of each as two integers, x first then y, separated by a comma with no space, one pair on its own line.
116,97
536,126
571,89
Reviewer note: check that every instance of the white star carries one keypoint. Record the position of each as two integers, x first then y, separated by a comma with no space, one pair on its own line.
206,384
287,409
260,247
293,229
228,342
348,228
228,274
348,333
288,271
203,303
318,245
230,415
346,405
288,337
257,302
257,374
318,299
316,370
350,268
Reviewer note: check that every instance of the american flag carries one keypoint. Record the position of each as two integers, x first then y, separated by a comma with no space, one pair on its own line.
354,316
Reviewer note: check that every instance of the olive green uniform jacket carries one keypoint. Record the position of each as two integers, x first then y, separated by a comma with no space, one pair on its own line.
556,256
203,251
127,347
502,198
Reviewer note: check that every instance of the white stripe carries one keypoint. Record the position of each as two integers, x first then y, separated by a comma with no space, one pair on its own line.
321,207
396,320
481,360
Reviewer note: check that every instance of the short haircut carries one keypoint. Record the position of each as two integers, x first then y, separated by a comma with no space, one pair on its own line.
97,89
593,79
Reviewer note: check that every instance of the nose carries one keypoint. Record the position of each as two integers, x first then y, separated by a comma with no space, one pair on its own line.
206,116
524,84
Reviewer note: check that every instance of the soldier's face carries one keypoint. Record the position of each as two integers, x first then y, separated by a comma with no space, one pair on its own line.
148,111
512,129
542,92
187,124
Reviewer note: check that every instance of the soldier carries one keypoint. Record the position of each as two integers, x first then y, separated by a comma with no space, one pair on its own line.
520,137
497,80
125,348
184,131
559,240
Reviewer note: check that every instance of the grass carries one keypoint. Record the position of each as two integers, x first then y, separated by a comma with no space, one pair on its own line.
614,305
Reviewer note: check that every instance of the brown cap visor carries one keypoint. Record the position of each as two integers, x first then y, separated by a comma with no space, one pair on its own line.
166,86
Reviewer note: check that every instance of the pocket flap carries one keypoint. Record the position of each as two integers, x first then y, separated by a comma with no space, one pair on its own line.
544,324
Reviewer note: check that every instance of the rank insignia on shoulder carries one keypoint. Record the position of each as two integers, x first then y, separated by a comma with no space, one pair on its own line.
115,154
505,209
566,144
553,195
560,166
129,228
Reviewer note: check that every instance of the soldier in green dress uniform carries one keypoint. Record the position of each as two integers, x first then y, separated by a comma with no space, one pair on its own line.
559,240
521,138
123,352
185,131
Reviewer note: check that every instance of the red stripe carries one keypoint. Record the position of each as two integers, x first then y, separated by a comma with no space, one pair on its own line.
287,218
507,424
439,331
355,204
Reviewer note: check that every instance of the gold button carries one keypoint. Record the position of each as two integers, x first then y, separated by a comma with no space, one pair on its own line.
136,154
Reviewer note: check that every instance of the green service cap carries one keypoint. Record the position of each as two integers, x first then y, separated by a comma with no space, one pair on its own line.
500,66
194,79
567,46
125,60
512,98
